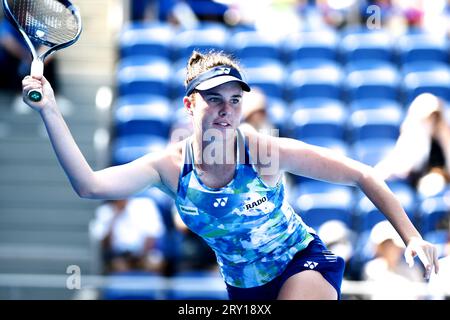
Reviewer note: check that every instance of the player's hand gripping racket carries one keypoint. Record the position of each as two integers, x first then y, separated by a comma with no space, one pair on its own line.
55,24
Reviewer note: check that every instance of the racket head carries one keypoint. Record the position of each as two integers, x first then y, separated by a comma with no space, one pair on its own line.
55,24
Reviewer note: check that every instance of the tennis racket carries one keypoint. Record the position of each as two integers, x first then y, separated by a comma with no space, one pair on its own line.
56,24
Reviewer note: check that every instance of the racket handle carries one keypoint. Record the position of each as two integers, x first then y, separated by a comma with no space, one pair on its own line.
37,69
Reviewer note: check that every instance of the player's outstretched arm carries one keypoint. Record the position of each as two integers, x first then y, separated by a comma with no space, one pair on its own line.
319,163
109,183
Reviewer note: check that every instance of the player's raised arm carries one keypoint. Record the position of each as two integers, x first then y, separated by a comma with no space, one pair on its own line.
319,163
109,183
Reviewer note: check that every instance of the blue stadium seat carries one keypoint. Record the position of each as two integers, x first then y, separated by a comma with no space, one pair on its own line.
317,202
143,114
439,238
278,114
178,76
265,73
369,64
374,104
316,102
375,123
321,44
372,45
254,44
148,39
328,121
423,66
367,215
128,148
435,81
431,212
144,75
372,79
371,151
314,78
198,285
423,47
134,285
206,38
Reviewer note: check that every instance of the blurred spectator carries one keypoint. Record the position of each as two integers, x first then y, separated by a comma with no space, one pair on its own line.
181,126
15,60
194,254
151,10
422,151
254,110
339,14
129,231
140,10
390,274
208,10
339,239
175,10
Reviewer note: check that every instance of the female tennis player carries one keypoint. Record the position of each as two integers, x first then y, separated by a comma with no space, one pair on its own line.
232,194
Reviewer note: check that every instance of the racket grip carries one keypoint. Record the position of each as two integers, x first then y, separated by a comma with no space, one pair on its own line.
37,69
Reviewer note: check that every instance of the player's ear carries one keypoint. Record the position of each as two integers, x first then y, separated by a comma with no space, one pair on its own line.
189,104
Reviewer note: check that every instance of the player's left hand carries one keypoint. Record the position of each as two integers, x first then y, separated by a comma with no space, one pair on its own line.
426,252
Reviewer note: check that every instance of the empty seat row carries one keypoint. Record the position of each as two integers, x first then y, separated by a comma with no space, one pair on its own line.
318,202
306,78
161,39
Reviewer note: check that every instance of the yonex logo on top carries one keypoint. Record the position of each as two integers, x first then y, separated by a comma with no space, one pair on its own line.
220,202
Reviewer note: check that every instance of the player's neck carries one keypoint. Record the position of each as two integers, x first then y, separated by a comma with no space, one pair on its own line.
215,154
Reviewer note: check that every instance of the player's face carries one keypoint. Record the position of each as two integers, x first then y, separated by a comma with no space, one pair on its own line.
218,108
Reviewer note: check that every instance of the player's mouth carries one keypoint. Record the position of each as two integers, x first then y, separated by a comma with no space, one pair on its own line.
222,124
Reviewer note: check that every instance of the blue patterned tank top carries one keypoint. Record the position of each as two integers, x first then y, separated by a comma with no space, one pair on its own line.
249,225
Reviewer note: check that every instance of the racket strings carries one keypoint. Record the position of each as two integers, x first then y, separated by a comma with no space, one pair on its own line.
46,21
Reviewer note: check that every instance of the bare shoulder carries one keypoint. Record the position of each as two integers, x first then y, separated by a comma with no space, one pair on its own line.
168,164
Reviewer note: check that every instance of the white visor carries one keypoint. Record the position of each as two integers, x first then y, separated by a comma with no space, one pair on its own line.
217,81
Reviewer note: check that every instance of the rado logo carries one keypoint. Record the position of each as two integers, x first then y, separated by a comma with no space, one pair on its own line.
255,203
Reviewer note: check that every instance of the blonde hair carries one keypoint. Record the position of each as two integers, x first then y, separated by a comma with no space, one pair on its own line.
201,62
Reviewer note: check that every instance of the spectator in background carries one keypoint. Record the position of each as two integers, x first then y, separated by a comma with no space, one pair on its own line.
129,230
174,11
391,276
339,239
195,254
254,110
421,153
152,10
339,14
140,9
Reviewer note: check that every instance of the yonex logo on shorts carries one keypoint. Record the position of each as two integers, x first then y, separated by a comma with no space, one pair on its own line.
220,202
310,264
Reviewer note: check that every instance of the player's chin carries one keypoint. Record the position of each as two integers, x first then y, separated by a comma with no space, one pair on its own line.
220,131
